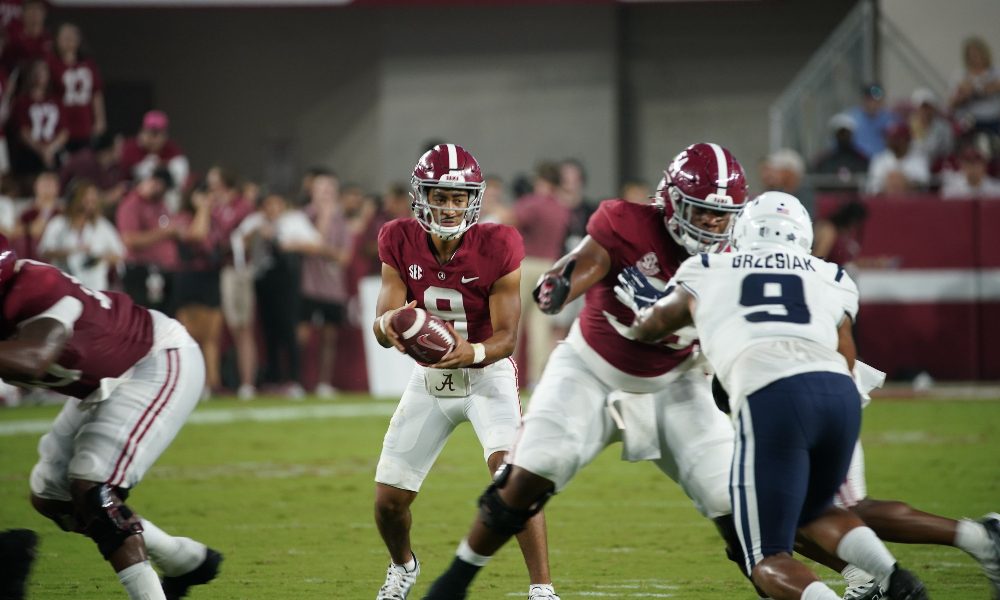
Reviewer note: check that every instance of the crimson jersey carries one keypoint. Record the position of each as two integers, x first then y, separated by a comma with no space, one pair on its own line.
458,291
110,334
632,234
76,85
44,119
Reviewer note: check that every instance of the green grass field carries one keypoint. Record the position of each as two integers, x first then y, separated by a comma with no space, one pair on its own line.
289,502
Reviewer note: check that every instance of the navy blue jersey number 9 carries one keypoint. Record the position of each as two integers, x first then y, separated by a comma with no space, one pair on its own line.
773,291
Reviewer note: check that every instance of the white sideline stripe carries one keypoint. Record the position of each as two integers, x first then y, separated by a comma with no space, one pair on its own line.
214,416
910,286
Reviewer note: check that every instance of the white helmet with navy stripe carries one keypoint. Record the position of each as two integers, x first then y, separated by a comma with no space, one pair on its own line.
773,220
704,177
446,166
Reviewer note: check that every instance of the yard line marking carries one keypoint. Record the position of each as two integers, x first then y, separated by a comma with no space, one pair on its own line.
215,416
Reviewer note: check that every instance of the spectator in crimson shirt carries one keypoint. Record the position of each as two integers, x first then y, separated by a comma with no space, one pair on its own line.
38,119
543,220
30,41
150,236
100,164
35,218
10,15
76,80
152,148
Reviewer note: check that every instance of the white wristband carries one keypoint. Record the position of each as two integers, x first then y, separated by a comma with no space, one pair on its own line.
381,322
478,353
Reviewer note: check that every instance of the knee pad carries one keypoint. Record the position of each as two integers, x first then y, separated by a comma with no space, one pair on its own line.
109,521
497,515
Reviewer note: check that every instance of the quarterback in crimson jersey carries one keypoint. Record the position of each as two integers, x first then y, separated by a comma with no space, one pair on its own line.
600,386
469,275
133,376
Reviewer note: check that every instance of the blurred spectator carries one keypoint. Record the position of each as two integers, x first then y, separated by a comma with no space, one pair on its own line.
7,85
838,238
277,236
196,296
635,191
10,15
572,182
871,118
899,168
305,189
784,170
152,148
8,210
149,234
29,41
324,280
45,205
543,220
975,95
77,81
970,180
229,209
82,242
39,120
396,202
496,205
843,159
933,135
99,164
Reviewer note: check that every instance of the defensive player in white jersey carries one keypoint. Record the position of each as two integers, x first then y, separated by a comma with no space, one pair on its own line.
469,275
600,386
775,323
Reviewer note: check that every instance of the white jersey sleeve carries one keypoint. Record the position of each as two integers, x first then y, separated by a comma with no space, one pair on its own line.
745,300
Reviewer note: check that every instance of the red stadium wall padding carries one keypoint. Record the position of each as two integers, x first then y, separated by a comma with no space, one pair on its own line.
905,339
924,234
989,340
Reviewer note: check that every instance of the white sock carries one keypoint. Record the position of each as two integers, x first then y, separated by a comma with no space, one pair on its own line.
862,547
409,565
173,555
141,582
818,590
465,553
972,537
855,576
545,587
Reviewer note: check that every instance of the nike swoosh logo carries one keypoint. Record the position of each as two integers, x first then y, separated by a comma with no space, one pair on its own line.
467,280
422,340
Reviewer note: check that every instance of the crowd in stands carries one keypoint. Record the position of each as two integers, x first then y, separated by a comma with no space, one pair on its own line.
920,145
267,281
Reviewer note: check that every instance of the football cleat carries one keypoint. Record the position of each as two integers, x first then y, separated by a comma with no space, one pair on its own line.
992,566
398,582
866,591
542,592
177,587
17,552
904,585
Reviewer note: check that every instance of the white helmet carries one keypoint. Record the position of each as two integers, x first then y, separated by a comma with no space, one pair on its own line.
773,220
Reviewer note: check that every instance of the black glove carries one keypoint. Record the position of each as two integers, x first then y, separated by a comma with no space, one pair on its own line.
553,288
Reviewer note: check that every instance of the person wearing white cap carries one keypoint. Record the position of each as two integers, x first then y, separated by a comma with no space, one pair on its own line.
931,132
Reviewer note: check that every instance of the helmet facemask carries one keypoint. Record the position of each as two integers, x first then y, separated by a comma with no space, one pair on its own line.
424,211
681,224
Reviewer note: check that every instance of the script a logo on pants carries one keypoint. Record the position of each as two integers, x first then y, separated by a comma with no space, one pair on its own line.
446,383
416,272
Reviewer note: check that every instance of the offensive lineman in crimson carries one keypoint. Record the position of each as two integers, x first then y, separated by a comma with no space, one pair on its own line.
132,376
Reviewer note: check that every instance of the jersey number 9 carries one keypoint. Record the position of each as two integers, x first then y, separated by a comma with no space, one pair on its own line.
782,295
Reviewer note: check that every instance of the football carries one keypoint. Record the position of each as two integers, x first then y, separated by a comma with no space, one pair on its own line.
425,336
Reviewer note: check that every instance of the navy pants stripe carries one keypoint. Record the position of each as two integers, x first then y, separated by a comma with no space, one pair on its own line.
794,442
